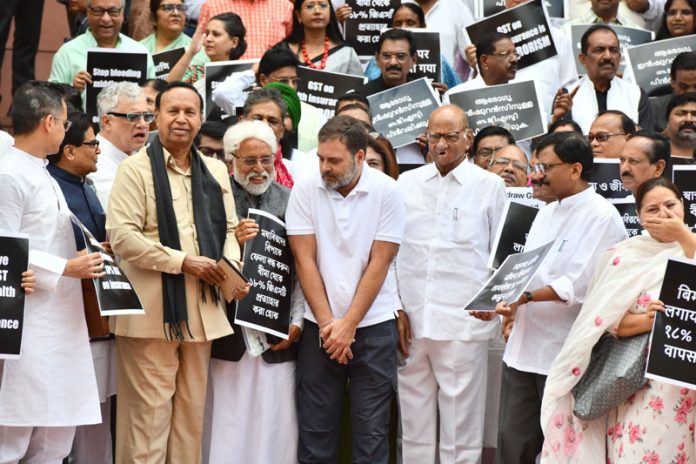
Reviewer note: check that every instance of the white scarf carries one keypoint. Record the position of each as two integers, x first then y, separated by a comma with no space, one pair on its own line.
623,96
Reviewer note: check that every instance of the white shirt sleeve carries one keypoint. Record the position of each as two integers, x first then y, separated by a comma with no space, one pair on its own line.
298,215
229,94
392,218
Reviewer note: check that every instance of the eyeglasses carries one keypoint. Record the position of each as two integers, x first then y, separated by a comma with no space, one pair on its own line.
134,117
99,12
172,7
311,6
291,81
66,123
251,161
506,55
541,168
207,151
400,57
487,152
602,136
506,161
93,144
450,137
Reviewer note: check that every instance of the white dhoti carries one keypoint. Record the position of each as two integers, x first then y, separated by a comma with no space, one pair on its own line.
250,412
450,376
35,445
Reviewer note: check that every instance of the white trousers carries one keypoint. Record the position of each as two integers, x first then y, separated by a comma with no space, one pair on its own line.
250,412
449,377
496,348
35,445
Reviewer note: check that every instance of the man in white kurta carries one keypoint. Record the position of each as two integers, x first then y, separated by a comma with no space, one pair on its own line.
584,225
51,387
452,211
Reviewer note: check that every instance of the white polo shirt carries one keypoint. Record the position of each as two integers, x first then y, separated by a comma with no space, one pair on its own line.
345,229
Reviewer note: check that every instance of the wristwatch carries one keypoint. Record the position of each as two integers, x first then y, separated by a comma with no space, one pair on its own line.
529,296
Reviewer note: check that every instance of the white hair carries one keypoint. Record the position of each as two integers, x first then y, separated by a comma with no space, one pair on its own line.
244,130
110,96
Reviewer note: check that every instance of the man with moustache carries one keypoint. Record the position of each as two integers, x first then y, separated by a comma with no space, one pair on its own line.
609,133
345,225
124,117
105,18
497,64
644,156
238,381
681,126
171,218
601,89
511,164
584,225
443,263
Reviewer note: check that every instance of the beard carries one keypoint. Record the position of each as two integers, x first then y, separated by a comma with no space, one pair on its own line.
254,189
344,180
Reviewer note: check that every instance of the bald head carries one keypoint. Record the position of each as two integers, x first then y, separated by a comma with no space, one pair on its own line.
449,137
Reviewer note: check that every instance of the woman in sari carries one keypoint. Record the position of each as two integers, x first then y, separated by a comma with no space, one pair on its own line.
656,424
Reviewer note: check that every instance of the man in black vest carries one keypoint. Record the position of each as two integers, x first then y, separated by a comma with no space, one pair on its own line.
258,390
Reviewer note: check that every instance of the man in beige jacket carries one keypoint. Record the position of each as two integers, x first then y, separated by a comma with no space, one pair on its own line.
171,217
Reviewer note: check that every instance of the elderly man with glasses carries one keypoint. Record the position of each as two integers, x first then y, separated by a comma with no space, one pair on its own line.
442,264
240,382
124,118
105,18
511,164
609,133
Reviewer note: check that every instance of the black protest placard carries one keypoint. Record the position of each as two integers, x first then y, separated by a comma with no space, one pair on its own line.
322,88
627,210
528,28
108,66
684,177
428,63
268,266
628,37
401,113
165,61
673,339
651,62
554,8
605,178
14,259
215,74
367,20
513,106
115,294
510,280
511,235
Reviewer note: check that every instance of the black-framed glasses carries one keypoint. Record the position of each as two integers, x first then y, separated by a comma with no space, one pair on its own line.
520,166
542,168
93,144
132,118
99,12
291,81
251,161
602,136
485,153
450,137
207,151
172,7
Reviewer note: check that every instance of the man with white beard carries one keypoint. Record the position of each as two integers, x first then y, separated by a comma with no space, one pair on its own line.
239,382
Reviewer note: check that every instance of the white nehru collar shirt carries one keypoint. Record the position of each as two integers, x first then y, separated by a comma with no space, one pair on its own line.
450,226
585,225
345,229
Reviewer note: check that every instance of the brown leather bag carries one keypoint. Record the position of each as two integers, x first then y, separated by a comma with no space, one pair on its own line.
97,325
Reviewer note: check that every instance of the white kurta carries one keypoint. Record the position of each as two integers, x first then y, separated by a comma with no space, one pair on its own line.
107,165
53,382
585,225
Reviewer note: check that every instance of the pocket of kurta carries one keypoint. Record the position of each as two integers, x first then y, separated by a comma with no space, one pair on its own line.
179,203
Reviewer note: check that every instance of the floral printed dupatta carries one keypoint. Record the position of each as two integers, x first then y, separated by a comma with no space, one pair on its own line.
622,274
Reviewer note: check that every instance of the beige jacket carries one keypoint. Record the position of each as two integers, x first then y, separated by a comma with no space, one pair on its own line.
131,224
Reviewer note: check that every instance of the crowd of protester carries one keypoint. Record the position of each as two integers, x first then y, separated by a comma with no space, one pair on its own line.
381,363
